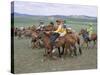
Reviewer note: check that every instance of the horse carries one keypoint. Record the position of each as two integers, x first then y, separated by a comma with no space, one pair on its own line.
49,47
71,39
28,31
20,33
67,42
36,39
47,31
86,37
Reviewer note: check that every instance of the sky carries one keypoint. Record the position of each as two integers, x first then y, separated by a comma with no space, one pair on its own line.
35,8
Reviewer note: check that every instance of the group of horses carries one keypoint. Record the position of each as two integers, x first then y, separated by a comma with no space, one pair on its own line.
67,44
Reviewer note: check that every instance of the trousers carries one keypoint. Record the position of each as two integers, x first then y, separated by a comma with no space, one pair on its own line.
53,37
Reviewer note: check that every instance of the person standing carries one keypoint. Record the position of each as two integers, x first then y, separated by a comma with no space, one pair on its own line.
41,25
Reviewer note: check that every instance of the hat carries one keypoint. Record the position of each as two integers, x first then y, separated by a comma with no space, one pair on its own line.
59,20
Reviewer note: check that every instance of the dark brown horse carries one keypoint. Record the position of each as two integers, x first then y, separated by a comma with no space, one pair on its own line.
86,37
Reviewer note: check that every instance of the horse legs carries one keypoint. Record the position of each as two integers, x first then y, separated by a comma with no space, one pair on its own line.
71,52
49,53
75,52
37,44
59,51
87,46
45,53
63,46
94,41
83,44
80,51
79,47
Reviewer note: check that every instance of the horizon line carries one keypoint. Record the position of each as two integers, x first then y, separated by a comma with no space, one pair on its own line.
52,15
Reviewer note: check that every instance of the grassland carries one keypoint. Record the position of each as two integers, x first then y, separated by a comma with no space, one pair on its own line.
31,60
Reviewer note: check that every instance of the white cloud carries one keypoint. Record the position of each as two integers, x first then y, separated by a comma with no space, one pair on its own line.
52,9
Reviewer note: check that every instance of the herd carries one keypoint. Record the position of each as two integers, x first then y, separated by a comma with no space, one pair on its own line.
67,44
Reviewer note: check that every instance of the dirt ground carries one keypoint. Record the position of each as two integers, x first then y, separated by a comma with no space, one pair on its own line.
28,60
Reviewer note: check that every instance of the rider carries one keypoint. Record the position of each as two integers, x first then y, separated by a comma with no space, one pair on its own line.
90,30
41,25
61,31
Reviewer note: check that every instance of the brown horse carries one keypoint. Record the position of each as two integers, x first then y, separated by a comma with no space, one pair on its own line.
48,46
36,39
47,31
20,33
86,37
29,31
67,42
71,40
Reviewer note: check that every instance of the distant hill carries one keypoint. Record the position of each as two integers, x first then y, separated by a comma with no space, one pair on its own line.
81,18
56,16
19,14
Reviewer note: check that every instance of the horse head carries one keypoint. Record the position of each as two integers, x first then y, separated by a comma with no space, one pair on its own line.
82,31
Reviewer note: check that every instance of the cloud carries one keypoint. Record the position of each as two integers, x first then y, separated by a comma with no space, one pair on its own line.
53,9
